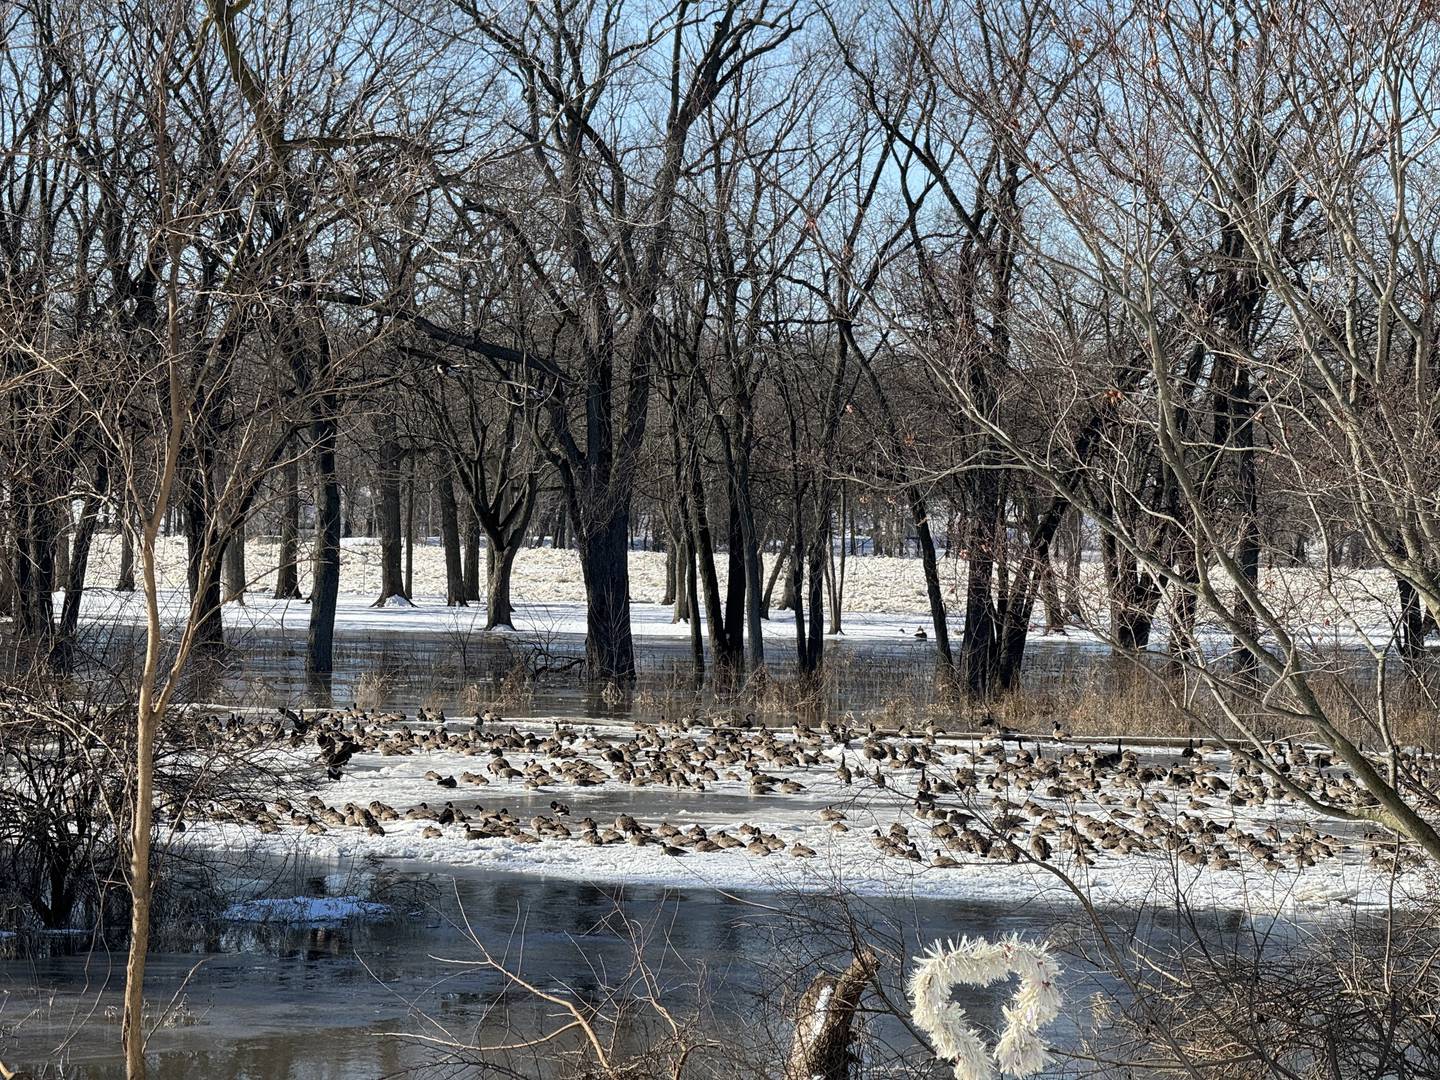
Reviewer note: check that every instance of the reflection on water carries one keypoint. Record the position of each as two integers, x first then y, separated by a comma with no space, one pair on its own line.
313,1003
265,665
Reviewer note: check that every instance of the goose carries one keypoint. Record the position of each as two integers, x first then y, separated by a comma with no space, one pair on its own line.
920,634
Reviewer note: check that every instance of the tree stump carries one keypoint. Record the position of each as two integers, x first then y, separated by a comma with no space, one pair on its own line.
821,1048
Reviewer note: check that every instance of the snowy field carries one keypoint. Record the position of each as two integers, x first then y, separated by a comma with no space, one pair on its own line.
905,815
883,597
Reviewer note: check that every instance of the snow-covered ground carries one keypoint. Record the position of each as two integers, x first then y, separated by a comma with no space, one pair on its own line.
884,598
1150,825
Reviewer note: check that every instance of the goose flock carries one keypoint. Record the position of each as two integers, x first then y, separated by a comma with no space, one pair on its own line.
913,795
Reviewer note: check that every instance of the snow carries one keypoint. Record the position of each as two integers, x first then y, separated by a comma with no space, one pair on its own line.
884,597
820,1013
305,910
844,860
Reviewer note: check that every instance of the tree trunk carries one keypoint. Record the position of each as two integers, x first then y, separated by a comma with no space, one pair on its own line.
35,569
325,591
684,570
287,574
407,589
1132,596
672,571
780,560
235,577
979,646
609,647
498,609
125,579
79,563
837,573
823,1023
735,605
62,540
450,538
392,583
934,594
692,607
202,570
471,568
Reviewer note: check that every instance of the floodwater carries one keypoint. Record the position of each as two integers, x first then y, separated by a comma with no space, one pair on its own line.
461,673
356,1000
350,1000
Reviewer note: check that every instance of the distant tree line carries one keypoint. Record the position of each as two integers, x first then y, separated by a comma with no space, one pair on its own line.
744,277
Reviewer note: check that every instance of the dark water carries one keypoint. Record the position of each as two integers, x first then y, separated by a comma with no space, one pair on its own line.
312,1003
319,1003
461,673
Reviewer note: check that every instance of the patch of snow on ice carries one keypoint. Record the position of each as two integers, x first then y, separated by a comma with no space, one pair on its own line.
305,910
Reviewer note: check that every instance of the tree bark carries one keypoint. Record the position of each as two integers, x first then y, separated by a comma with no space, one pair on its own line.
392,583
609,647
235,576
287,574
325,591
125,579
472,558
450,538
824,1021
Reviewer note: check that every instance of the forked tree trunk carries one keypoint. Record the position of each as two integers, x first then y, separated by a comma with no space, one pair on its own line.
824,1021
